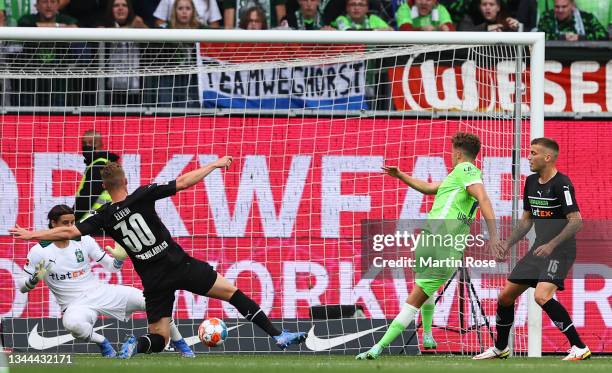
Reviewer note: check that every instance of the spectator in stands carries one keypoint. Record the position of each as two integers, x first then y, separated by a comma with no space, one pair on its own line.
328,10
48,16
525,11
424,15
11,11
44,91
253,18
233,10
308,16
602,9
180,90
86,12
358,18
119,13
492,17
123,56
184,15
207,12
567,22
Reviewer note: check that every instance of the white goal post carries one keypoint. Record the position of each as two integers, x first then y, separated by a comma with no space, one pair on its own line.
500,131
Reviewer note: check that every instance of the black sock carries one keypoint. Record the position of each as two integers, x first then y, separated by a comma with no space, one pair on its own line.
504,319
251,311
150,343
559,316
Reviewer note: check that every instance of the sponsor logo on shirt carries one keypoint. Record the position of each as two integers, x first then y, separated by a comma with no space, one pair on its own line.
541,213
68,275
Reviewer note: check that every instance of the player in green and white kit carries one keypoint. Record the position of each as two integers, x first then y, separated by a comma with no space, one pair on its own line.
457,200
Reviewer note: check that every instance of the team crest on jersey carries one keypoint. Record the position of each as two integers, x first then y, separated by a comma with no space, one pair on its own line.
79,256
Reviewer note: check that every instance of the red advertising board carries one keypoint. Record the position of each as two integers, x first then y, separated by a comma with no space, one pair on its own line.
284,221
579,86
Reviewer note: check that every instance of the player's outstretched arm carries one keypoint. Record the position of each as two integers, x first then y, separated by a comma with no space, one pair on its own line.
191,178
416,184
54,234
486,208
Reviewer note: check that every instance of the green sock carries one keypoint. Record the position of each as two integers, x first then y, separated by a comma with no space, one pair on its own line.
395,329
427,311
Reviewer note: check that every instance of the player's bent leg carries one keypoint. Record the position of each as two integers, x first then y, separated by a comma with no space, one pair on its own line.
560,317
135,302
415,300
544,292
79,321
153,342
504,321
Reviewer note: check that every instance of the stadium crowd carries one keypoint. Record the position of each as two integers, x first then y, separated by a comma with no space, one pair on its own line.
569,20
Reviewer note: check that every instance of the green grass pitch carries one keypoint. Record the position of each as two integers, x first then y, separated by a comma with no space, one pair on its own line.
170,363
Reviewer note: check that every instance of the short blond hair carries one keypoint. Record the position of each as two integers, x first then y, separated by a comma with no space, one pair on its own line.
112,176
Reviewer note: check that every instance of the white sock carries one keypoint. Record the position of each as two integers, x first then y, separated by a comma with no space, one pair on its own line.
175,335
431,300
406,315
96,338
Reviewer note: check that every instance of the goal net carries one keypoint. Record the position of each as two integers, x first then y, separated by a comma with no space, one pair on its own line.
309,124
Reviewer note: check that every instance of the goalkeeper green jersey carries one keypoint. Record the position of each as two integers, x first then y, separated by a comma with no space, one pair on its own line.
453,205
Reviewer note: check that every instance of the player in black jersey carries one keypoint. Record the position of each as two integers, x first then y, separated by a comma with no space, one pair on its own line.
549,203
161,263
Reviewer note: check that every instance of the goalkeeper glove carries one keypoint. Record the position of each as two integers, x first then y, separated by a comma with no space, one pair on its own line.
39,274
119,253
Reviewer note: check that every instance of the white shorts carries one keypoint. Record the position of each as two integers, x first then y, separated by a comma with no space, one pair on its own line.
116,301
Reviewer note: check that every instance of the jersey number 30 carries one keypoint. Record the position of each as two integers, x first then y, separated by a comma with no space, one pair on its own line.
140,234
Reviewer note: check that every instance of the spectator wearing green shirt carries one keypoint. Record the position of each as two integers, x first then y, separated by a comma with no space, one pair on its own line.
602,9
424,15
309,16
233,10
2,18
567,22
48,16
357,18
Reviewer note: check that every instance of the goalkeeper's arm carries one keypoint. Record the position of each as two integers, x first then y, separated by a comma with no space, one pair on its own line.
118,255
29,283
